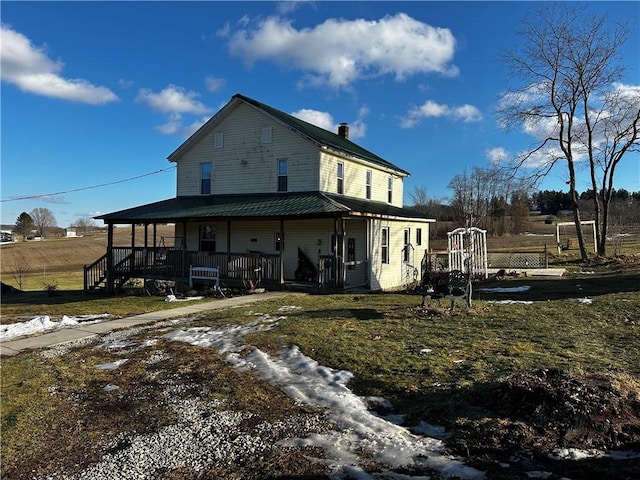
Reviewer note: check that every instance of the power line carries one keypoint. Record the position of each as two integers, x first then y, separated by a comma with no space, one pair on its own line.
87,188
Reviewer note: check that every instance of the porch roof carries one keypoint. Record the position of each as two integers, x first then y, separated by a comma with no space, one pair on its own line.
256,206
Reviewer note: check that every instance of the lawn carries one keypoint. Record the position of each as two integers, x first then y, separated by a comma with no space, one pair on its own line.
506,380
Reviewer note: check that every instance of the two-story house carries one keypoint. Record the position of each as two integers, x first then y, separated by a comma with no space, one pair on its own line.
259,189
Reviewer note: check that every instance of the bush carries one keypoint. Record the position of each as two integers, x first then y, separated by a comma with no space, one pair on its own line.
51,288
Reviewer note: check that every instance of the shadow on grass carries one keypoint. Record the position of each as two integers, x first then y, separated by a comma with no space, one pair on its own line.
560,288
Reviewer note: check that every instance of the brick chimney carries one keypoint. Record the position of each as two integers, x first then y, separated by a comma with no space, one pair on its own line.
343,130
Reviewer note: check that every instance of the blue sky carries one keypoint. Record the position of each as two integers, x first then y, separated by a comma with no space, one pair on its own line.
100,93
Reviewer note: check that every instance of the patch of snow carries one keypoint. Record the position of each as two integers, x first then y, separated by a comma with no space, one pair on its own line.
110,366
425,350
44,324
110,387
305,380
435,431
522,288
173,298
511,302
585,300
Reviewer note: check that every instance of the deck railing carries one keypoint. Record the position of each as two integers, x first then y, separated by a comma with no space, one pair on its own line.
169,264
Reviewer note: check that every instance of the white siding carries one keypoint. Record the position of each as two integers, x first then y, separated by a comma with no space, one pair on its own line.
355,179
245,164
390,276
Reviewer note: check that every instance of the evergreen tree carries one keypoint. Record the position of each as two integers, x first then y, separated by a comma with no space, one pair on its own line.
24,224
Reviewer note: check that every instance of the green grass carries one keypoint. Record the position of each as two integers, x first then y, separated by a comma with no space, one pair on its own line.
24,306
432,364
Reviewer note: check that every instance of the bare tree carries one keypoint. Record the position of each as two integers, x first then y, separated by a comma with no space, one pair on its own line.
566,76
481,195
85,224
20,269
42,219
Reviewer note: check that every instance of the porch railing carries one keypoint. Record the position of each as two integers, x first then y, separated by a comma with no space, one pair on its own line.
169,264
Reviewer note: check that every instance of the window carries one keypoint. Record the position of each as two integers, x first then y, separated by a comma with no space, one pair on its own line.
218,141
368,184
266,134
418,236
282,174
205,178
340,178
390,190
384,243
406,250
277,241
207,238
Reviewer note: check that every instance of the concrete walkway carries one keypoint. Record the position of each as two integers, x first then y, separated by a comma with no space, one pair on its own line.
64,335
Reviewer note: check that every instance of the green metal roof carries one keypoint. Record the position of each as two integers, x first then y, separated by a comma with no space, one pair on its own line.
255,206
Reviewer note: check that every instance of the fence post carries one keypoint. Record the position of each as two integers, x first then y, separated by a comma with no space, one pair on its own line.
546,256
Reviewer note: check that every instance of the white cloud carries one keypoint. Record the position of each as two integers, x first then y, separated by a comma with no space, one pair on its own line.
172,99
31,70
497,155
174,126
320,119
430,109
325,120
339,52
214,84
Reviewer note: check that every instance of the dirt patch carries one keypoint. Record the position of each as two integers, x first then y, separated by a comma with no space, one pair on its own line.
536,420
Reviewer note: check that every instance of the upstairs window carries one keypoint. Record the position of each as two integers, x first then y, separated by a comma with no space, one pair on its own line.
418,236
282,174
384,244
390,190
205,178
266,135
218,140
340,178
368,184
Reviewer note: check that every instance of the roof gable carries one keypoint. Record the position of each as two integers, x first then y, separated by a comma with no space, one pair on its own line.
320,136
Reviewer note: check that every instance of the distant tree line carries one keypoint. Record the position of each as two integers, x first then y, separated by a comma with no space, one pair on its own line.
502,206
41,222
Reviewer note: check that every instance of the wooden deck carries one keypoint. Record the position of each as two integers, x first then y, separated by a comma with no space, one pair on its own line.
170,264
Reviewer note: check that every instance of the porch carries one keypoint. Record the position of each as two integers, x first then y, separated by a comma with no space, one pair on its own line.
235,269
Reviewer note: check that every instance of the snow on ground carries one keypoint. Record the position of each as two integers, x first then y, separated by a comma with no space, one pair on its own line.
44,324
303,379
522,288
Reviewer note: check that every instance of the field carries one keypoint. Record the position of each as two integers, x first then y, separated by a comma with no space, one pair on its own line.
525,373
61,260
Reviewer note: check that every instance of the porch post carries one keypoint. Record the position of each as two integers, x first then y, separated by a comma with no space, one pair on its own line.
110,285
367,252
228,244
133,246
334,273
343,270
146,245
185,252
281,251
